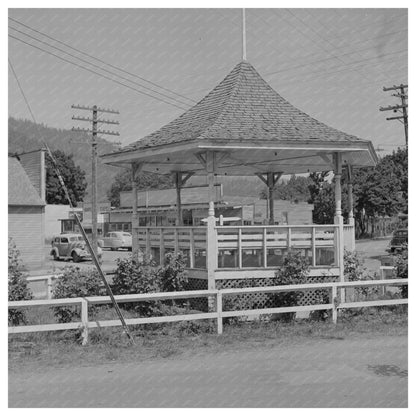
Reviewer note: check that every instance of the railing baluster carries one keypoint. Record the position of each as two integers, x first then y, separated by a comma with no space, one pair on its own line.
161,247
219,312
313,247
191,248
264,247
240,250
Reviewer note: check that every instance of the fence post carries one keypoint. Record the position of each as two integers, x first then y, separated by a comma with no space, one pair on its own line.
219,312
49,287
212,253
84,321
334,304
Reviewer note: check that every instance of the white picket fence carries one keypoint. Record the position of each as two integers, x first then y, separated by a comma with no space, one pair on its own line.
85,324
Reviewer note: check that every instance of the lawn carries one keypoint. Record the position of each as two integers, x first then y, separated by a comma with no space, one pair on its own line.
40,351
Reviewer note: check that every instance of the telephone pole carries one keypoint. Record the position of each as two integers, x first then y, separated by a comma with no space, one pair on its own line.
94,131
401,92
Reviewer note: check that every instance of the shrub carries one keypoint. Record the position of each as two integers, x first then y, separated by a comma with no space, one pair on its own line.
17,284
401,269
172,276
295,270
134,277
76,283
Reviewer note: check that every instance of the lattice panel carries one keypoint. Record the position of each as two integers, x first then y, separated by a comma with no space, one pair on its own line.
268,300
199,304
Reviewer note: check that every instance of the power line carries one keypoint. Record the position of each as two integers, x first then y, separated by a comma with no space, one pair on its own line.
97,66
100,60
65,189
94,72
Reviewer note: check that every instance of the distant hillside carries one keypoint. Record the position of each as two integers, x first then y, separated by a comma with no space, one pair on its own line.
24,137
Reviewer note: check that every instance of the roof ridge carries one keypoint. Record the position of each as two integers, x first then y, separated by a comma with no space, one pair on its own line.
232,94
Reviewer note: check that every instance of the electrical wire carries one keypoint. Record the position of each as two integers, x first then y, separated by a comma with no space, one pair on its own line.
94,72
97,66
100,60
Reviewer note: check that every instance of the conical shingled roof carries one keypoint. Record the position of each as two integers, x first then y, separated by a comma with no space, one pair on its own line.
243,107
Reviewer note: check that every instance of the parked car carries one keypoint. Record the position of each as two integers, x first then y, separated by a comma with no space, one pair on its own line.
71,246
398,241
117,239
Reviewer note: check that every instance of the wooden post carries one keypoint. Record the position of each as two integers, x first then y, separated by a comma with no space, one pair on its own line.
338,219
219,312
178,185
212,255
270,180
191,248
264,247
334,304
84,321
49,287
313,247
136,168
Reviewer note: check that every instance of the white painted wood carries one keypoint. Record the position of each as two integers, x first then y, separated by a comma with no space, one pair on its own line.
385,302
267,311
84,321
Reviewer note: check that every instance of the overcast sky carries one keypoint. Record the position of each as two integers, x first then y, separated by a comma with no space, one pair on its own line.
330,63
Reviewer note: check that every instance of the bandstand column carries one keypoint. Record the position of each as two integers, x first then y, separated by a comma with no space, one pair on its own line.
135,169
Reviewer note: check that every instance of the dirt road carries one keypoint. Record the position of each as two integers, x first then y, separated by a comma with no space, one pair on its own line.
319,373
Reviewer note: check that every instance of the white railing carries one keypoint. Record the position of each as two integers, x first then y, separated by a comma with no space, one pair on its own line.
48,281
265,246
349,237
85,324
237,247
192,241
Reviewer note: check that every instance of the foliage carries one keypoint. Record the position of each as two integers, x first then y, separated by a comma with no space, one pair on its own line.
172,276
73,176
295,270
135,277
296,189
401,268
17,284
76,283
145,180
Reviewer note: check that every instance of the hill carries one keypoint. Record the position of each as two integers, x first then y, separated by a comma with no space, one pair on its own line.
24,136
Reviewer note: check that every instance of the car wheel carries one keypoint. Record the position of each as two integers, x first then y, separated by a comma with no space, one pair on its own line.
112,249
75,257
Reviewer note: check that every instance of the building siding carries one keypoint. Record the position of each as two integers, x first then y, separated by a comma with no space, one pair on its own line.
26,228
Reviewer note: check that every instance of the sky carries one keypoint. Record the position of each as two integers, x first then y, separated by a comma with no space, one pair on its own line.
330,63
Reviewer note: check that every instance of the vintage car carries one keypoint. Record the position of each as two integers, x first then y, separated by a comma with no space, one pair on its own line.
117,239
71,246
398,241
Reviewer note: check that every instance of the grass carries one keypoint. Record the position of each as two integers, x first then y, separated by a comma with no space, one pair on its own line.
40,351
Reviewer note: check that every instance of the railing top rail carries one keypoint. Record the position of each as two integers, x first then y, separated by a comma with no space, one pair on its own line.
276,226
172,227
43,277
201,293
44,302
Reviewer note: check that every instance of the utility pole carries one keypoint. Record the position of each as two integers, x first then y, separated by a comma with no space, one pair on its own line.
401,92
94,131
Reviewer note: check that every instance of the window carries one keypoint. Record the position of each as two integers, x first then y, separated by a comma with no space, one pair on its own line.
64,240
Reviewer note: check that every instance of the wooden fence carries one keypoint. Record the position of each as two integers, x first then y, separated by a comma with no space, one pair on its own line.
85,324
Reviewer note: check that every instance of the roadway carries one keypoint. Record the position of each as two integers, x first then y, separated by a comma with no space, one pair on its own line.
363,372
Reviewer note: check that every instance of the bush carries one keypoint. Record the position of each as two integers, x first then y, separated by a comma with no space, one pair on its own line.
76,283
135,277
401,269
295,270
172,276
17,284
354,270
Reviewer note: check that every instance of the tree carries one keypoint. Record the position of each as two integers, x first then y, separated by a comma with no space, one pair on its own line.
145,180
73,176
296,189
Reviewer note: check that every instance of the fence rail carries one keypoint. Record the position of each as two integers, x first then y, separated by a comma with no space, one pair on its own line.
85,324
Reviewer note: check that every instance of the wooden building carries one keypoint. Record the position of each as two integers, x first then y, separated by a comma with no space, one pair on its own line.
26,206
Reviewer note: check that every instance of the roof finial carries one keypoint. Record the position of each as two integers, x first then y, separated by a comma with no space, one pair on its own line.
244,35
